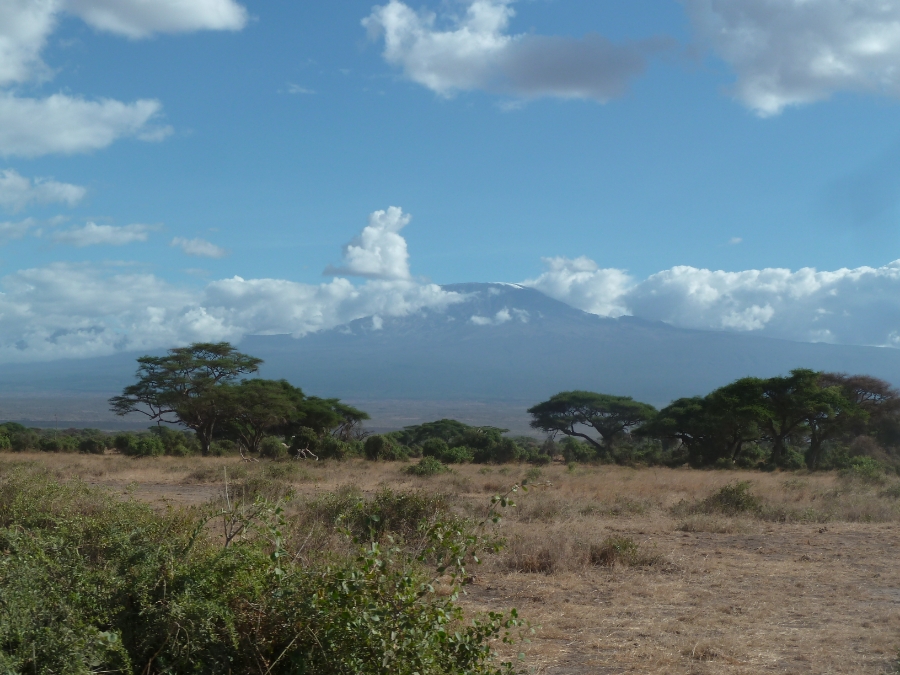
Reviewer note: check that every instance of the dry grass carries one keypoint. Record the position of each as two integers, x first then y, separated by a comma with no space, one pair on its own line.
630,571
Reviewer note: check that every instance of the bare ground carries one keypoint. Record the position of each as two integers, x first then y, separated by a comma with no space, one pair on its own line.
819,593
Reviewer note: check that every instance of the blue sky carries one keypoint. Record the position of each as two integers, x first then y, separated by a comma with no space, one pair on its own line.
725,165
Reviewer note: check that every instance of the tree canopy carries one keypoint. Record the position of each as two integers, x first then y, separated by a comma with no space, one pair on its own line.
572,412
186,386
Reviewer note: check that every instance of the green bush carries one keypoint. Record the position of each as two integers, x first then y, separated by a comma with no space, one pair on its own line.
457,455
272,447
332,448
5,443
434,447
499,451
427,466
92,445
865,469
91,584
57,443
574,450
383,448
730,500
25,440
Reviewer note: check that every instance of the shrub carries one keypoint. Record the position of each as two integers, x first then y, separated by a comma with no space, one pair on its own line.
457,455
92,445
5,443
91,568
501,451
621,551
434,447
332,448
272,447
574,450
23,441
382,448
730,500
57,443
865,469
427,466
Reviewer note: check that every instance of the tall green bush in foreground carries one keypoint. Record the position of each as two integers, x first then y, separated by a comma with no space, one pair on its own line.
89,584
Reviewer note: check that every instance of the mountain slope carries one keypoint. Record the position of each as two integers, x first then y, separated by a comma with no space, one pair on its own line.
504,346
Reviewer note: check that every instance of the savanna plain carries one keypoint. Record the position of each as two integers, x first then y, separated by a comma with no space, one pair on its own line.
614,569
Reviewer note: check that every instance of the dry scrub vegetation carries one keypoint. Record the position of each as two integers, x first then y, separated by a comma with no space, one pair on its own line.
621,570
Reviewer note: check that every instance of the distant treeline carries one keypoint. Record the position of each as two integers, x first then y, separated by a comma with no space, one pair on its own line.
806,419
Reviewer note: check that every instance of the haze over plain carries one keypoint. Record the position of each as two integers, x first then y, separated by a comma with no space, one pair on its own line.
211,170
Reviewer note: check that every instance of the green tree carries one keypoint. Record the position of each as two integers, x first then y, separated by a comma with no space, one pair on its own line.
186,387
257,408
788,404
571,412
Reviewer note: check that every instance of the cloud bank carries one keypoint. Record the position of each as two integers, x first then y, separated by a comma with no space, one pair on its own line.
79,310
69,310
476,51
849,306
790,52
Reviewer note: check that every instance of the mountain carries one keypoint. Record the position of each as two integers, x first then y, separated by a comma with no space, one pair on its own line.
488,358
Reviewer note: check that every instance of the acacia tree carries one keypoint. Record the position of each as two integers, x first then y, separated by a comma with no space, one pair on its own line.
569,412
257,408
789,403
187,387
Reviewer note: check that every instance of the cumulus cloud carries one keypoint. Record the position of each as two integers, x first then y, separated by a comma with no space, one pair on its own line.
581,283
848,306
92,234
140,18
199,247
64,124
24,28
791,52
476,51
17,192
379,252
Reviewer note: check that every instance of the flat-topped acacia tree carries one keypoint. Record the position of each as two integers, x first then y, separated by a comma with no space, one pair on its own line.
570,412
187,387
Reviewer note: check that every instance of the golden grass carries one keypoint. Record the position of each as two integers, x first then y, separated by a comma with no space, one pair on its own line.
812,586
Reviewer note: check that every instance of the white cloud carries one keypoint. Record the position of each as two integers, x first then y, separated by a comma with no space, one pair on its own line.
16,230
199,247
297,89
849,306
24,28
76,311
92,234
379,252
476,51
791,52
141,18
65,310
503,316
582,284
17,192
64,124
